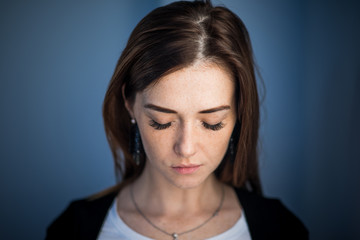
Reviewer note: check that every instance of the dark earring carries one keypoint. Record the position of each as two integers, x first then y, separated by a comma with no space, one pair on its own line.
135,142
231,150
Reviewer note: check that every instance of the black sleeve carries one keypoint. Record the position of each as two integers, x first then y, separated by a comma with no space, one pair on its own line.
64,227
269,219
82,219
289,225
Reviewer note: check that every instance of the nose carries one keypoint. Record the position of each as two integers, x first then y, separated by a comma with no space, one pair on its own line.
185,145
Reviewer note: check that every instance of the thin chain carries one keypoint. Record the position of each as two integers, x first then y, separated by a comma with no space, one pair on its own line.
175,235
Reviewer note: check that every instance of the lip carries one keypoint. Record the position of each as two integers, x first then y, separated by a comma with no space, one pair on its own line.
186,169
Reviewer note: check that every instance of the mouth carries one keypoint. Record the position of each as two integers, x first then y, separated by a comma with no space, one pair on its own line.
186,169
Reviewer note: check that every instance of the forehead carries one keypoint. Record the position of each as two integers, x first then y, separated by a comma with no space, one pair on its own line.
199,86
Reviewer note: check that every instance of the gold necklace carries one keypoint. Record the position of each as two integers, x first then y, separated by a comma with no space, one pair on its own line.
176,235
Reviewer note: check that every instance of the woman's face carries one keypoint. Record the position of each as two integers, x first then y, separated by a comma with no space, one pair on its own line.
185,121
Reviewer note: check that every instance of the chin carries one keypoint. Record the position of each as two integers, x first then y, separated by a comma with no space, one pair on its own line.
188,182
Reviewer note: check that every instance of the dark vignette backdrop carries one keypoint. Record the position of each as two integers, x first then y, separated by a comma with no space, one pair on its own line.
57,57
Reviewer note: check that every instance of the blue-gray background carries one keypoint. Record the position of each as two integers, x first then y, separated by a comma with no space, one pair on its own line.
57,57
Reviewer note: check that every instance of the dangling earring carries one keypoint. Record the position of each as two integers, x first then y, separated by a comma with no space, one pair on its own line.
135,142
231,150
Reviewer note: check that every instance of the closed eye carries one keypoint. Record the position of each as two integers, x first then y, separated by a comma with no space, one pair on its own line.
159,126
214,127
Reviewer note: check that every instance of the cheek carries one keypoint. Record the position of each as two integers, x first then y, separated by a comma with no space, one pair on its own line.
157,146
216,147
153,141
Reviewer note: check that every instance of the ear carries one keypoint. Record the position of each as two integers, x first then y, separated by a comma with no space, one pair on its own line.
128,105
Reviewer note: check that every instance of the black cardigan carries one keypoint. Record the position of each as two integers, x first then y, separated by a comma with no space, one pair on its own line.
266,219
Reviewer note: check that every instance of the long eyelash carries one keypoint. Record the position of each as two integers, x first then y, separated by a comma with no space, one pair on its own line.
214,127
159,126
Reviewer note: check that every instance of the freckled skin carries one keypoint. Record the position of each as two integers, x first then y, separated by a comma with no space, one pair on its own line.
186,141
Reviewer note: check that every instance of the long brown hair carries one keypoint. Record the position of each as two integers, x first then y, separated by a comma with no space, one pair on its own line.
173,37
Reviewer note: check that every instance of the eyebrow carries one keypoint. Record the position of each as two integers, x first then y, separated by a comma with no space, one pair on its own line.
216,109
166,110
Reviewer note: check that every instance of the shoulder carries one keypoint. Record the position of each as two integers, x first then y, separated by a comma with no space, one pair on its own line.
268,218
82,219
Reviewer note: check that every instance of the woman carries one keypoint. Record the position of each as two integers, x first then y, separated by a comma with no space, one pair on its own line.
182,116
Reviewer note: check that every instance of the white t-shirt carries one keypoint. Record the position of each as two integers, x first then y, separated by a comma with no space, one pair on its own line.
114,228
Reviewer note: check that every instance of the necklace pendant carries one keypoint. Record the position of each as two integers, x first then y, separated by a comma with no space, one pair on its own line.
175,236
